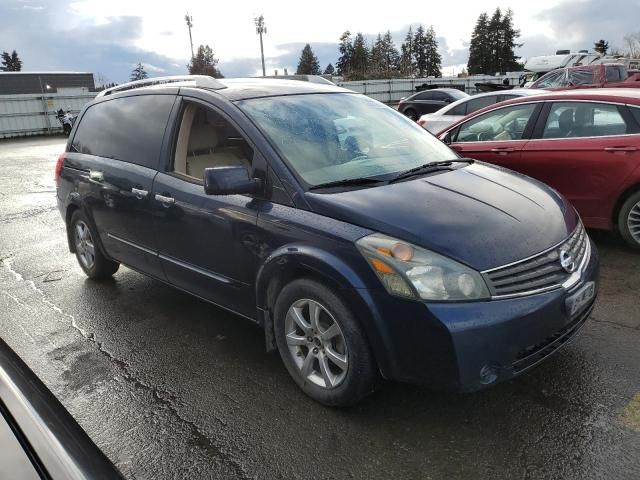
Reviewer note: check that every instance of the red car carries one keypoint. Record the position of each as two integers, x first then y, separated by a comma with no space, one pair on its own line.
607,75
584,143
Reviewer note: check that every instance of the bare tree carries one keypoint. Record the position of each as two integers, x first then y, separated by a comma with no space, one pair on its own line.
632,42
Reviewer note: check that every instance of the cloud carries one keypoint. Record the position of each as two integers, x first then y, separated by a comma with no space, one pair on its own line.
106,49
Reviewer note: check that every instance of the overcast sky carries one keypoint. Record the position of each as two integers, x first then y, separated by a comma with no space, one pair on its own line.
108,37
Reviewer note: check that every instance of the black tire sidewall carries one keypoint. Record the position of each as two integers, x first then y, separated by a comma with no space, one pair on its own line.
411,113
625,210
102,267
361,371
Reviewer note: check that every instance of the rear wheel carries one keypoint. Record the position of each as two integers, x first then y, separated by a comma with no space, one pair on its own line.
94,264
321,344
412,114
629,221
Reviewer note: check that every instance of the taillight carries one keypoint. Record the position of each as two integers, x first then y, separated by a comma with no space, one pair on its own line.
58,169
421,122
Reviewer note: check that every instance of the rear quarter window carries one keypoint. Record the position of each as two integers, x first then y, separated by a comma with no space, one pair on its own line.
127,128
636,114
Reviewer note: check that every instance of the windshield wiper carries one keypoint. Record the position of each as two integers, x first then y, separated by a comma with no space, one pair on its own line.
347,182
429,167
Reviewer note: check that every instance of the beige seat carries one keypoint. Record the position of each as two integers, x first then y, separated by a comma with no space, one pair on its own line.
204,151
205,147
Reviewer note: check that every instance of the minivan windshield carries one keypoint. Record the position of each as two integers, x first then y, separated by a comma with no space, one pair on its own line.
342,136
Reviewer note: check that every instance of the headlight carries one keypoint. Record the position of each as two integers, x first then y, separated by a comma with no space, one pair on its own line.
410,271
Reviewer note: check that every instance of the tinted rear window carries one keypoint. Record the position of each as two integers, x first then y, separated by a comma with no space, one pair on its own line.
128,129
636,113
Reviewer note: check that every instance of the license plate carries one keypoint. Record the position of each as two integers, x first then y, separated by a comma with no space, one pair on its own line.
576,302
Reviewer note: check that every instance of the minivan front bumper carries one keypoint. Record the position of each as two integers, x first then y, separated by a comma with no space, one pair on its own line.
469,346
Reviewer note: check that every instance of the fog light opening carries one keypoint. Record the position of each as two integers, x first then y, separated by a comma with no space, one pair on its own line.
488,374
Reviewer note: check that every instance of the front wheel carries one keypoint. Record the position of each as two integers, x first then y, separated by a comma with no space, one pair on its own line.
629,221
321,344
94,264
412,114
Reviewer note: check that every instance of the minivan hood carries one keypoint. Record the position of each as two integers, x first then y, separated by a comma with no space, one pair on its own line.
481,215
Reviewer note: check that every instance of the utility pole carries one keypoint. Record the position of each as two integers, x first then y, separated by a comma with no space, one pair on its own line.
189,19
260,29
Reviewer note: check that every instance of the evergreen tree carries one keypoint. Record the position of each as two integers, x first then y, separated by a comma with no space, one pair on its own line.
507,59
346,53
308,64
407,60
138,73
11,62
377,60
479,46
205,63
494,39
329,70
493,44
359,58
434,59
390,56
420,51
601,46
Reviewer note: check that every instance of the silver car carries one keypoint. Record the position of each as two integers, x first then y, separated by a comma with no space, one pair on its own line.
448,115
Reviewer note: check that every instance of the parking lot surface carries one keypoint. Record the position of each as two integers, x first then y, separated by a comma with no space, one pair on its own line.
169,386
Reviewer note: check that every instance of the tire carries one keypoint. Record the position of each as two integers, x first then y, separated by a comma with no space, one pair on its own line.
412,114
629,221
325,380
94,264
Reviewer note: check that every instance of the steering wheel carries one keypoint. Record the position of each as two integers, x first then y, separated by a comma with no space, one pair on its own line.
484,136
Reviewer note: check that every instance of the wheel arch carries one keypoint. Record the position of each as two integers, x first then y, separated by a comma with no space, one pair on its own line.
635,188
291,262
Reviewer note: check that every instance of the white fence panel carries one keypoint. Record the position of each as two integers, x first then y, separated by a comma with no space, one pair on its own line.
392,90
34,114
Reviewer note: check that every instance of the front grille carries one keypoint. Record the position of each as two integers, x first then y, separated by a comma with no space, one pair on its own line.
539,273
534,354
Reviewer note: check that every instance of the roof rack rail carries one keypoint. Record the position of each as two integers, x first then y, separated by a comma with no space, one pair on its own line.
202,81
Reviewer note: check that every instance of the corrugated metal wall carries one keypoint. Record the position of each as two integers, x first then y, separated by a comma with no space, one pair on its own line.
391,91
31,114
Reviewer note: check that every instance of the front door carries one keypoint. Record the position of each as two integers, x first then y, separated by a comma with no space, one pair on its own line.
497,136
207,243
586,151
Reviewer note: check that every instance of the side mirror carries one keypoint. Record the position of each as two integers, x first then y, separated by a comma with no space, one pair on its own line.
229,181
446,139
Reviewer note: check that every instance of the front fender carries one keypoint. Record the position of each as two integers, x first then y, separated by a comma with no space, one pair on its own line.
296,257
292,261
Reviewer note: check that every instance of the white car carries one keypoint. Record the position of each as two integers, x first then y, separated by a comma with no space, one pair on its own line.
448,115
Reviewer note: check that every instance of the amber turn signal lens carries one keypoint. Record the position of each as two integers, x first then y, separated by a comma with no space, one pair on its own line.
402,251
380,266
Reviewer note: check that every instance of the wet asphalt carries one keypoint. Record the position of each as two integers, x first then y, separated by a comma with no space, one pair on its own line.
169,386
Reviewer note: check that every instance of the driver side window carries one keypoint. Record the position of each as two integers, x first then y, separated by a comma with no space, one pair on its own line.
503,124
206,139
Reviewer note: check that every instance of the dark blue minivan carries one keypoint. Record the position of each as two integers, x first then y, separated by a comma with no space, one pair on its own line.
363,246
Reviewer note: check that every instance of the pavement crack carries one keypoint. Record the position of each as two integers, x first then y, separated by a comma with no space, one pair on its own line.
8,264
609,322
200,439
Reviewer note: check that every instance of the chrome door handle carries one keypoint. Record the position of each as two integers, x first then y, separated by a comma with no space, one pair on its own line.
620,149
166,201
502,150
140,194
96,176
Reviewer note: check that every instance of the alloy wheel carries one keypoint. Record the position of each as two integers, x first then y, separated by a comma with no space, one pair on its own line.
84,245
633,222
316,343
